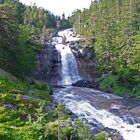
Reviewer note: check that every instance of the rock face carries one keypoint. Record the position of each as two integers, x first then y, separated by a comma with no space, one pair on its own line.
85,60
48,64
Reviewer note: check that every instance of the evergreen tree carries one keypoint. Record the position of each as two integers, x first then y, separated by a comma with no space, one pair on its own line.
112,28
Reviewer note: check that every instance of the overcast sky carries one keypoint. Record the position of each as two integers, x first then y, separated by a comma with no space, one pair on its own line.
59,7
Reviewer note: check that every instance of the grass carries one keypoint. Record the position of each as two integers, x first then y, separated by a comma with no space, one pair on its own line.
112,84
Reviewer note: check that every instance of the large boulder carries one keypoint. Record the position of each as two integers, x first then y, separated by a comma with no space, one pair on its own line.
81,83
86,83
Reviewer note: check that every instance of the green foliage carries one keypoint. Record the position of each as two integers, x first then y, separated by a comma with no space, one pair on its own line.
120,86
83,131
111,84
14,53
41,86
112,29
26,56
6,75
22,115
59,112
8,37
101,136
24,29
63,23
18,101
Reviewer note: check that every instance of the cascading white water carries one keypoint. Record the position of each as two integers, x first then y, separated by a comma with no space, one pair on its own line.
85,111
69,71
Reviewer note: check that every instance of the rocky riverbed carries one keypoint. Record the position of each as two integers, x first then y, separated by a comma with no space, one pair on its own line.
102,111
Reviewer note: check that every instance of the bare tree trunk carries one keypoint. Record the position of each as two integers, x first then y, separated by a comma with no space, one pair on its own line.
59,137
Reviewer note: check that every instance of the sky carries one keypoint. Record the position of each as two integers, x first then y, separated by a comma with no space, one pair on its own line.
58,7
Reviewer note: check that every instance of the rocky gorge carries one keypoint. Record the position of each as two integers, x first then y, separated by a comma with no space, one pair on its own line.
65,63
48,61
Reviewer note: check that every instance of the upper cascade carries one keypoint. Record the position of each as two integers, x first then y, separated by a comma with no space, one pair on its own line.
65,36
69,35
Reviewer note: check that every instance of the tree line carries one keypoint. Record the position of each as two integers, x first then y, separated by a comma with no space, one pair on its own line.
112,29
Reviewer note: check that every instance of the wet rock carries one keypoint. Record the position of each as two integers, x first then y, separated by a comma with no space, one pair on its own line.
86,83
10,106
91,124
83,51
88,113
81,83
72,117
48,109
135,110
95,131
99,125
48,64
137,119
128,119
85,60
68,111
82,114
54,104
54,34
138,126
117,136
95,123
110,130
84,120
115,109
131,103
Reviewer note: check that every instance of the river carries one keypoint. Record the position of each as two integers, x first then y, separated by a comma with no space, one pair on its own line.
93,107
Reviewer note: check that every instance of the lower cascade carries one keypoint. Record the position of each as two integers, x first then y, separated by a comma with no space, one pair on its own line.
93,107
69,70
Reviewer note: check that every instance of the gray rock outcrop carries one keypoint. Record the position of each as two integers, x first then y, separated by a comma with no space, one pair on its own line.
48,64
85,60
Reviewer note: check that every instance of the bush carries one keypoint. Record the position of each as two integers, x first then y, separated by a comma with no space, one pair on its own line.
111,84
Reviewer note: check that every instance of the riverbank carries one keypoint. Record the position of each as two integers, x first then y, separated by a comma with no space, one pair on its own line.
27,112
113,84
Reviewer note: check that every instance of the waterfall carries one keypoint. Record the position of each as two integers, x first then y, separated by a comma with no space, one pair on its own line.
69,72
